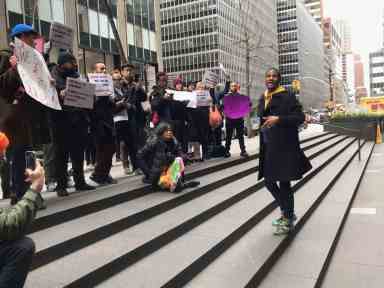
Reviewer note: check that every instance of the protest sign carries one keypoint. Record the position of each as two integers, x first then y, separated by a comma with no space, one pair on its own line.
184,96
210,79
103,82
61,36
236,106
79,93
203,98
34,74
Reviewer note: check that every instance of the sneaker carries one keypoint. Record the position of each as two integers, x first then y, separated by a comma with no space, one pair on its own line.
110,180
227,154
244,154
138,172
62,192
51,187
85,187
284,227
97,180
277,221
70,183
128,171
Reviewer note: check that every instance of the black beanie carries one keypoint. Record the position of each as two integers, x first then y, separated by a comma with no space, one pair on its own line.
162,127
65,57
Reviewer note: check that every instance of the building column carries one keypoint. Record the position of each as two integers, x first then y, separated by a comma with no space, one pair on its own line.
3,25
122,25
158,36
71,20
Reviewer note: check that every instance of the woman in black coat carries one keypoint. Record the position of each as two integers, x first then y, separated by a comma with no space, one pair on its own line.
281,158
158,153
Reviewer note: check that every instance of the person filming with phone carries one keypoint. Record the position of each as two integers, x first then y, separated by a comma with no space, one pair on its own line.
17,250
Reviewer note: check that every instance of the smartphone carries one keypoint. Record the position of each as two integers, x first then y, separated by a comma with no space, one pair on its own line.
30,160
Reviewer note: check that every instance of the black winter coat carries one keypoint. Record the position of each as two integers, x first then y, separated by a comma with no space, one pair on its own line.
281,158
168,110
157,155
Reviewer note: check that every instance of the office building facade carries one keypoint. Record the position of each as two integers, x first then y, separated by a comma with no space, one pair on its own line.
200,35
361,90
376,73
301,53
94,40
316,8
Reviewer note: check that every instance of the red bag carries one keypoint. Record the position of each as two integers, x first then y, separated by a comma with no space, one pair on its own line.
215,118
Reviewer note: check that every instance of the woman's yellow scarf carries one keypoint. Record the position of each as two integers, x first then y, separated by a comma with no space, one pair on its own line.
268,95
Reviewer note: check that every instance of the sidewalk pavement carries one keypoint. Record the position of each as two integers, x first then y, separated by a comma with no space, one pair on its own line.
359,254
252,145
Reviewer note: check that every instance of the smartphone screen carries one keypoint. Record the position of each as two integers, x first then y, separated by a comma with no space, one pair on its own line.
30,160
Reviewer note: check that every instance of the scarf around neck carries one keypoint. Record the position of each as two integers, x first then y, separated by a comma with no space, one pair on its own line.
268,95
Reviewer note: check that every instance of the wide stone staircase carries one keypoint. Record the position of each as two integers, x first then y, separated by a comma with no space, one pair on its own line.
218,234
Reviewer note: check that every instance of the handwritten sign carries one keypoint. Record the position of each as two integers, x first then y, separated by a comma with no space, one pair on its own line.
210,79
79,93
203,98
103,82
34,74
61,36
184,96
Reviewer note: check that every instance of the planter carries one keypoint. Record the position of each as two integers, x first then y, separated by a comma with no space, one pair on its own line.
366,130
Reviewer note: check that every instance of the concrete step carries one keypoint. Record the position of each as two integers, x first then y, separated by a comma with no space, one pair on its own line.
90,258
60,240
80,204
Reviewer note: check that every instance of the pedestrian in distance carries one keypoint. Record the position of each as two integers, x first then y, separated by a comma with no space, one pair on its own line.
104,133
70,129
236,107
281,158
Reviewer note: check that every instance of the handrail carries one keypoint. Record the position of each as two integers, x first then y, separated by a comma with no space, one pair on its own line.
359,131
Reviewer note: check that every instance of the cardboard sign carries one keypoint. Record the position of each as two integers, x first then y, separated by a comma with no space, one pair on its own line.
103,82
34,74
61,36
151,76
210,79
79,93
203,98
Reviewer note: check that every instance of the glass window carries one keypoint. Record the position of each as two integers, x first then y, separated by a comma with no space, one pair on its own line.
152,39
45,10
131,34
104,25
138,36
146,39
93,22
58,10
14,6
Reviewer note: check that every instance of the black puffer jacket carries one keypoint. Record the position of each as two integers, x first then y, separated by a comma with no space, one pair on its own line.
157,155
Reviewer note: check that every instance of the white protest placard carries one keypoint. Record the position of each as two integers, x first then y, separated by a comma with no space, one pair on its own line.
79,93
61,36
210,79
184,96
103,82
34,74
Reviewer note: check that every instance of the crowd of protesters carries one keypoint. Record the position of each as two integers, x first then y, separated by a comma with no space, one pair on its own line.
127,123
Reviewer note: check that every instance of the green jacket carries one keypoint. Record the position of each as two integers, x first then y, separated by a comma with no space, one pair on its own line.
16,220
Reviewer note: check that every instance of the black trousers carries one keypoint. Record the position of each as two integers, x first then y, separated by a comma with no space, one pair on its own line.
283,195
230,126
15,261
200,118
49,162
127,135
70,143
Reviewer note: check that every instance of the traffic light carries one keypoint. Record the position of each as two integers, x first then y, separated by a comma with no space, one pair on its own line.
296,85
